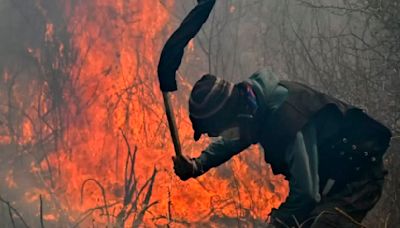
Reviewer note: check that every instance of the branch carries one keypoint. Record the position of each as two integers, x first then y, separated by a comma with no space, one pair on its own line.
11,208
41,212
102,193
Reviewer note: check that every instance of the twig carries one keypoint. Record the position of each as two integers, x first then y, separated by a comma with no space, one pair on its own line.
145,203
177,221
349,217
130,184
11,215
90,211
41,212
387,220
281,223
137,222
169,215
314,218
130,179
11,208
332,7
296,221
103,193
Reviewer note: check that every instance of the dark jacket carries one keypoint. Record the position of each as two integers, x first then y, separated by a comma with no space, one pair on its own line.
299,126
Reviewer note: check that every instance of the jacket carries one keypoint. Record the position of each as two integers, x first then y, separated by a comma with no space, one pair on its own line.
294,120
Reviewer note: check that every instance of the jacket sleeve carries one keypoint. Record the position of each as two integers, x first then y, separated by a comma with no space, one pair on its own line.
172,53
302,157
219,152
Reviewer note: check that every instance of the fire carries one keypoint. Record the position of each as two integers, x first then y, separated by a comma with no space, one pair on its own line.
49,32
10,180
114,157
190,46
27,132
50,217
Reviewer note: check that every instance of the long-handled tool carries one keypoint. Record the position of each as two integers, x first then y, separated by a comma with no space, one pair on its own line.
172,123
171,58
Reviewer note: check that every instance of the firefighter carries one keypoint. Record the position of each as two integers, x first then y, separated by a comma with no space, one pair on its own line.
329,151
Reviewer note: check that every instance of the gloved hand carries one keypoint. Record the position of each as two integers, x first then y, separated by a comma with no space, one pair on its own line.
186,168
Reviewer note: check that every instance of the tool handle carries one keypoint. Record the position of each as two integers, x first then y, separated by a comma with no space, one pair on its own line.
172,123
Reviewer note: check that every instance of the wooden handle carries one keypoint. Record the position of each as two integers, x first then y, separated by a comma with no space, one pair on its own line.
172,124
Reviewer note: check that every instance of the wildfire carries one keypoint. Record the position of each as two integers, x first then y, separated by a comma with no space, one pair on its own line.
115,153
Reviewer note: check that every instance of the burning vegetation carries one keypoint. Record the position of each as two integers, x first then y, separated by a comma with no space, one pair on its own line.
83,136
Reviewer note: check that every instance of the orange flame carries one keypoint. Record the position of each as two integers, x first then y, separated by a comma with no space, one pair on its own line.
116,92
10,180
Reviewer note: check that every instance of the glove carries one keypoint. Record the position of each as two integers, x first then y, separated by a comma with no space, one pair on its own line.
186,168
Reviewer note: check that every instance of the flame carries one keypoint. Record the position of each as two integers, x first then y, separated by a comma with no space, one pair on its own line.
49,32
34,194
10,180
27,132
114,114
190,46
50,217
5,139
